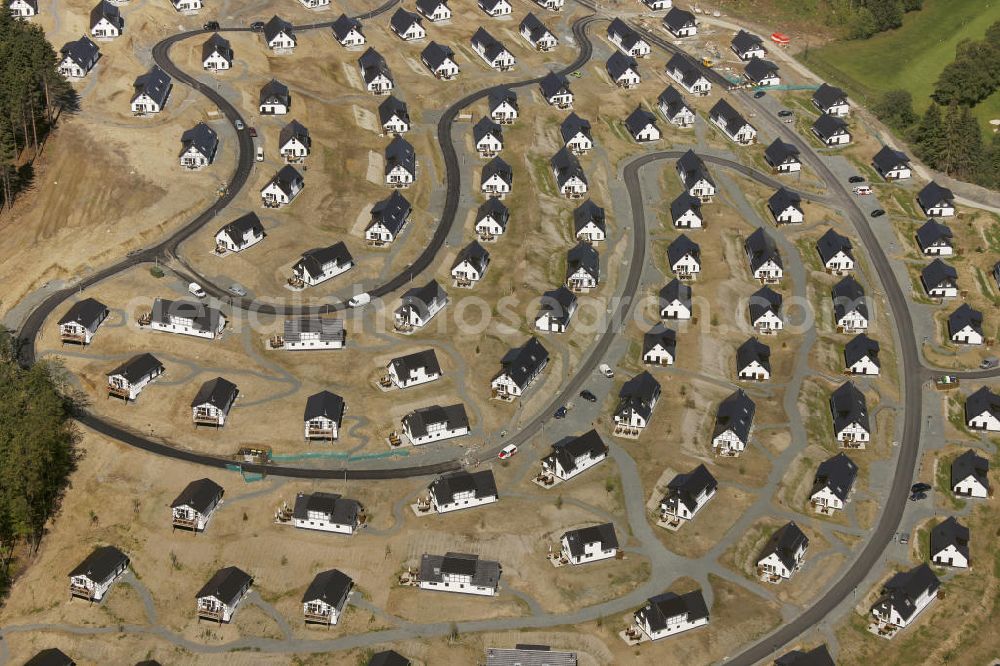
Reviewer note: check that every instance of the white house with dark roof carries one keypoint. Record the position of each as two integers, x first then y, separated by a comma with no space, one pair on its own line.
408,26
216,54
783,554
576,134
935,239
434,10
326,512
81,321
320,264
684,258
470,265
674,108
435,424
675,300
274,99
487,136
326,596
294,142
657,5
762,252
194,6
940,280
571,181
733,424
555,90
213,401
194,507
836,252
313,333
659,346
496,8
459,572
627,40
850,306
949,544
419,305
322,417
283,187
551,5
492,218
783,157
414,369
831,100
279,35
831,130
537,34
753,361
496,178
849,409
492,51
462,490
556,310
970,475
187,318
394,116
503,105
152,90
222,594
315,4
892,164
23,8
832,484
965,326
589,223
936,201
684,71
785,207
590,544
694,176
388,217
641,125
574,456
747,45
400,168
519,368
685,212
623,70
94,576
636,401
732,123
861,356
982,410
669,614
78,58
764,306
680,23
375,73
129,379
198,147
761,73
583,268
348,32
686,495
903,598
106,21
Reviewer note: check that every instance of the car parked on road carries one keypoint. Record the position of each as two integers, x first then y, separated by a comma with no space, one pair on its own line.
260,154
560,413
878,212
862,190
904,538
212,25
920,487
759,94
989,363
195,290
236,289
916,497
856,179
588,396
785,113
239,124
257,26
253,132
606,370
508,451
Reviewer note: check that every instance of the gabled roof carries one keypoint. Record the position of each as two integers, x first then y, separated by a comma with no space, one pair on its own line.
388,658
761,248
428,6
276,26
950,532
982,401
964,315
938,273
735,414
497,167
681,247
392,212
435,54
661,608
573,125
109,12
475,254
499,95
831,243
399,152
784,543
137,367
673,100
690,73
762,301
286,176
492,48
639,394
753,350
588,212
199,495
859,347
421,298
202,138
661,336
838,474
559,304
482,484
971,464
553,84
101,564
425,359
276,91
684,203
536,29
619,63
495,209
678,18
902,590
826,96
155,84
933,233
848,406
217,44
452,416
324,404
567,166
373,65
486,126
402,20
393,106
676,291
818,656
329,329
603,535
489,5
226,585
583,256
934,195
330,587
732,118
294,130
887,159
779,152
81,51
638,120
483,573
588,444
86,313
686,488
50,657
693,169
313,260
784,198
217,392
337,509
759,69
343,26
626,35
848,296
744,41
521,363
828,126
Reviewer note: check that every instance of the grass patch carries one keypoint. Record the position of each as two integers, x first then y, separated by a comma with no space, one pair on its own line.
540,166
984,286
942,481
956,414
992,234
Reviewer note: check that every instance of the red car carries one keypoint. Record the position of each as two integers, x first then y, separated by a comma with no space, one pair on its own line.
253,132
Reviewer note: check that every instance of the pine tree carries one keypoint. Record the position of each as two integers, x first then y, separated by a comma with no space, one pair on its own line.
928,136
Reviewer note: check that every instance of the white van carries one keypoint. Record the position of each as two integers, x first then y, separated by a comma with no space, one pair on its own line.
360,300
260,153
606,370
196,290
862,190
507,452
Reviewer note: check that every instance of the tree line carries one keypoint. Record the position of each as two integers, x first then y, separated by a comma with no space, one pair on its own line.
32,93
948,137
38,450
861,19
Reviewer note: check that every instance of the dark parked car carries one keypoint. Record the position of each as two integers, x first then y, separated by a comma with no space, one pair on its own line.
212,25
257,26
588,396
759,94
785,113
916,497
560,413
920,487
856,179
878,212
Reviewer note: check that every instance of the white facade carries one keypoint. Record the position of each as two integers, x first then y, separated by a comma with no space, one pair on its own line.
970,486
839,263
590,232
772,564
583,463
186,326
648,133
790,215
967,335
415,377
728,443
769,271
462,500
120,383
467,271
294,150
658,355
83,586
143,104
495,185
489,145
322,522
950,556
22,9
580,143
689,220
853,433
320,424
187,6
282,42
686,266
675,310
986,421
216,62
104,29
214,606
682,511
864,366
754,371
592,552
825,497
496,8
551,5
198,520
315,4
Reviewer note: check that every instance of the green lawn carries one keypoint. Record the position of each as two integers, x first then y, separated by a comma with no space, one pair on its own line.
910,57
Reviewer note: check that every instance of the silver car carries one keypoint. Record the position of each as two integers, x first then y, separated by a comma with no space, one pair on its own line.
237,290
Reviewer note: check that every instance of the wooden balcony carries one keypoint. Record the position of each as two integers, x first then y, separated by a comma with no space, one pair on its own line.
214,614
315,432
81,591
185,523
206,419
317,618
75,338
119,392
